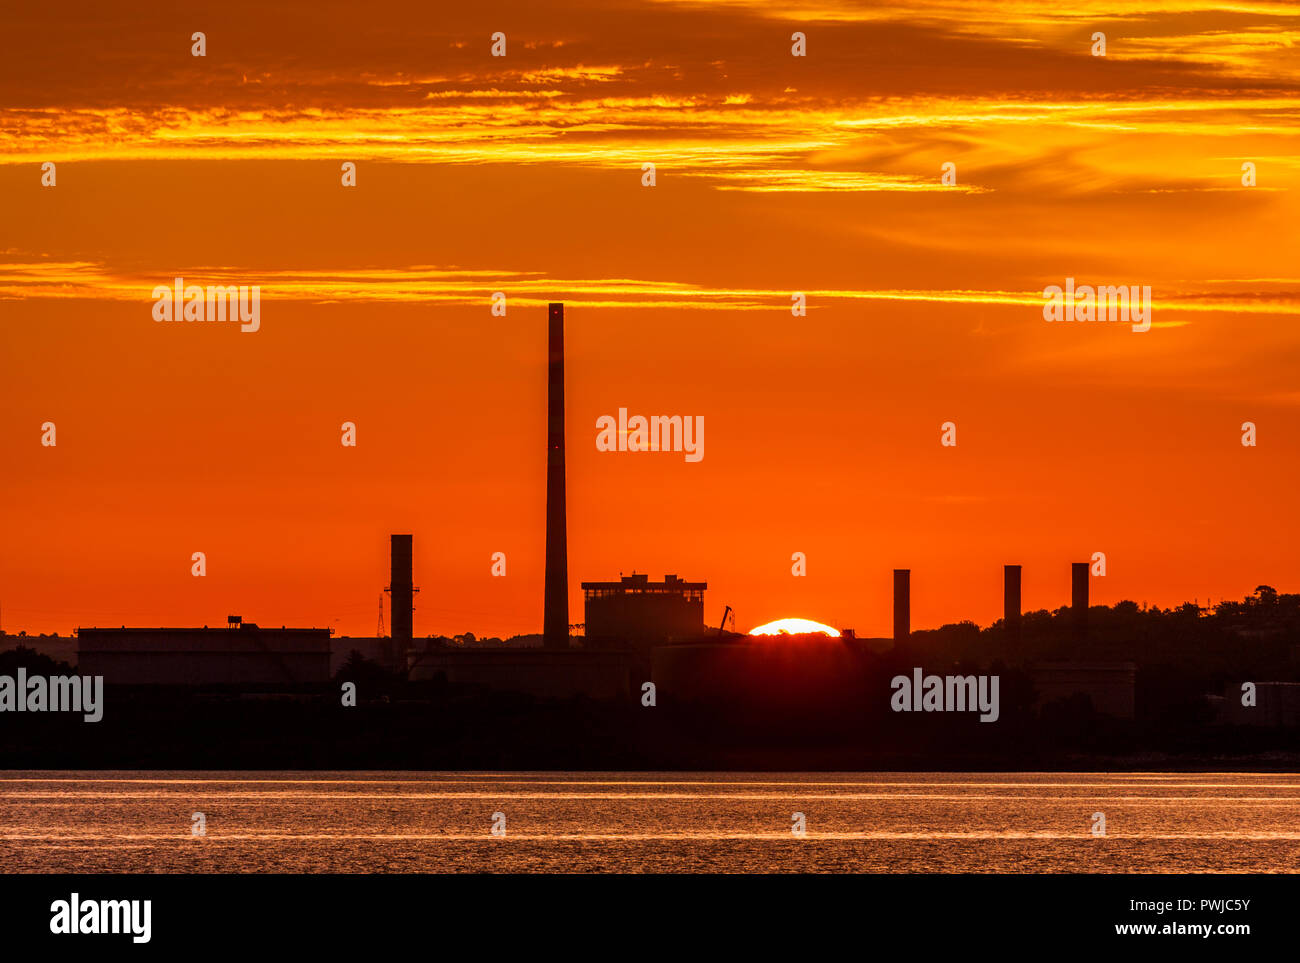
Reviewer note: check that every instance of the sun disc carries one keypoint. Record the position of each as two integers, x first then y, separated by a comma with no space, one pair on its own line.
794,627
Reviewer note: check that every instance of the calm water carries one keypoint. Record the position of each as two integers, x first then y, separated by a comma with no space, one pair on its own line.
637,822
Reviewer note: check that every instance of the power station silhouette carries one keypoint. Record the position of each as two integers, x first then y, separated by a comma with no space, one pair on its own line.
635,629
627,617
622,619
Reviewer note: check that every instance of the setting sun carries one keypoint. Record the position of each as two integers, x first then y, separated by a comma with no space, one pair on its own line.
794,627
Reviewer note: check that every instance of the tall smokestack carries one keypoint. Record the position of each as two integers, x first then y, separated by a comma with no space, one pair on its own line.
1079,594
402,592
1011,599
902,604
555,621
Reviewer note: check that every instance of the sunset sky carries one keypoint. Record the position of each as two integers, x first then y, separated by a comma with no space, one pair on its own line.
523,174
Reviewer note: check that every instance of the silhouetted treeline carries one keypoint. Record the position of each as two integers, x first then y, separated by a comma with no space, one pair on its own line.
1256,638
36,663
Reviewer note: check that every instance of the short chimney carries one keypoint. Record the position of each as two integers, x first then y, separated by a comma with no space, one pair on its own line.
1011,599
402,591
902,604
1079,594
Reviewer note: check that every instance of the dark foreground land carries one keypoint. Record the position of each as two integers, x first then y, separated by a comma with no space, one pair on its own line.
432,726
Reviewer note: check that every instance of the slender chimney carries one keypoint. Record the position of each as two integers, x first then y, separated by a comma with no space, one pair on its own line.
1011,599
555,621
402,592
1079,594
902,604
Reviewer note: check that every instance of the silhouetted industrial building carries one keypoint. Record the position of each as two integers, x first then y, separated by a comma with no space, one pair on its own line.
1108,686
637,612
242,653
783,673
1275,704
542,672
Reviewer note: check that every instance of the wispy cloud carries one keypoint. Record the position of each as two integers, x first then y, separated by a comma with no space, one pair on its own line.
21,280
1008,84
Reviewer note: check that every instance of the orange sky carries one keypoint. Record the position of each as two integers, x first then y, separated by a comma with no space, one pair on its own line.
522,174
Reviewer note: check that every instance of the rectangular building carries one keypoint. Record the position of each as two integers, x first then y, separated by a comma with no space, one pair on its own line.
1275,704
538,671
1109,686
637,612
240,654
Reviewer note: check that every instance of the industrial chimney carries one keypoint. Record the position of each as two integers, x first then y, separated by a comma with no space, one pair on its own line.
555,621
401,589
902,604
1011,599
1079,594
